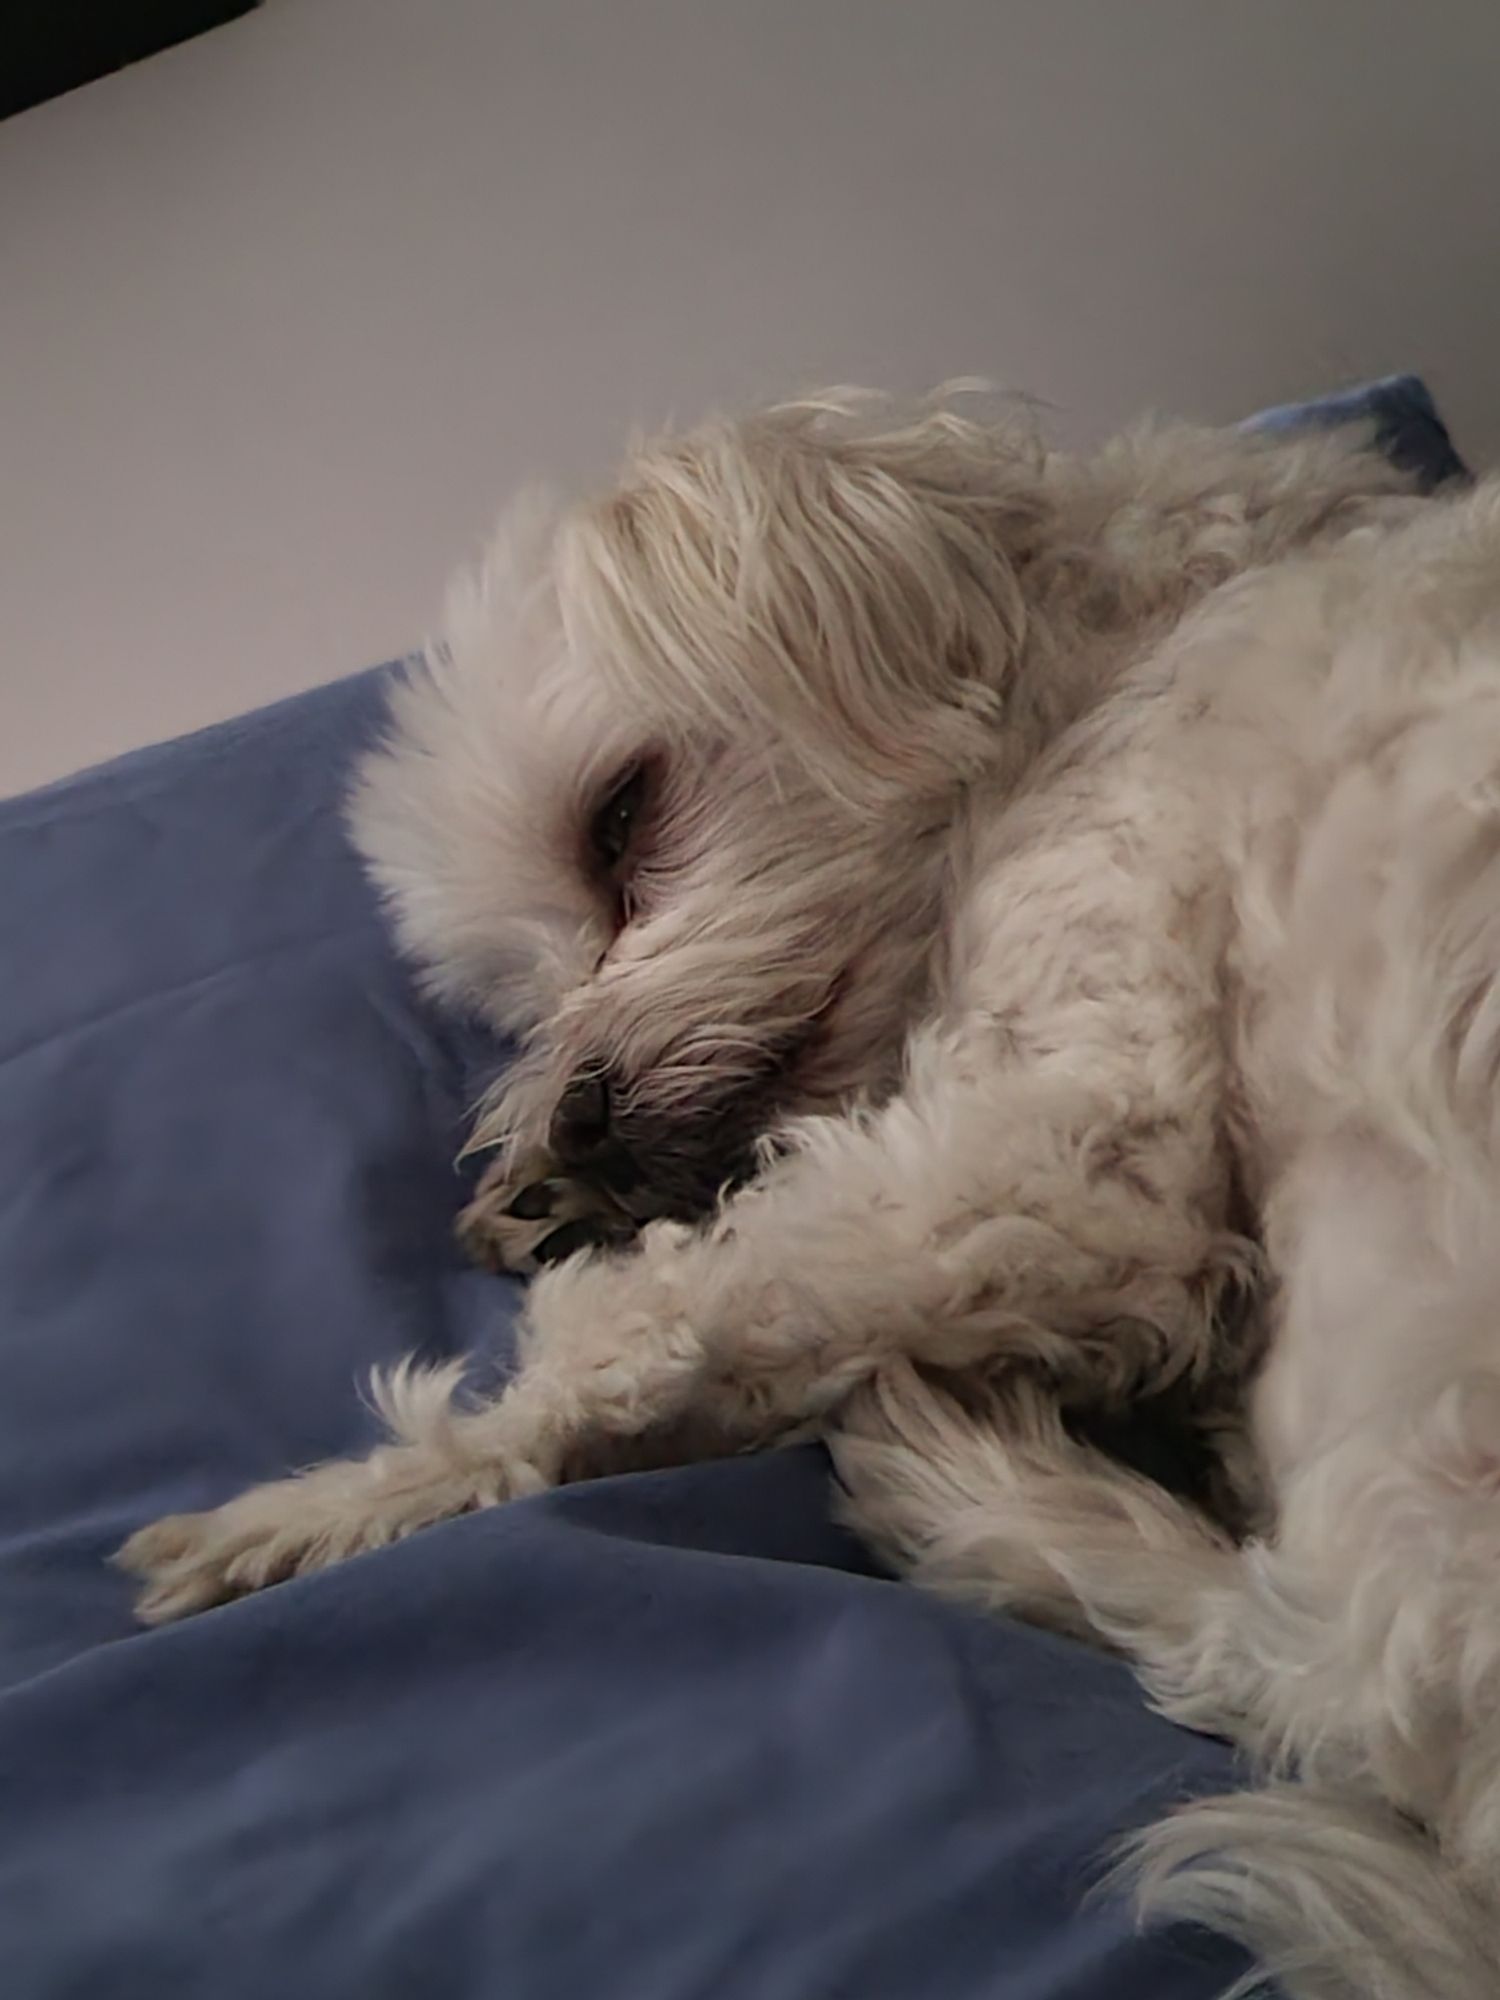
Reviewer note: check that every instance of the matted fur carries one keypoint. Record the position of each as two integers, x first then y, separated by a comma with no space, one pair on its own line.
1076,881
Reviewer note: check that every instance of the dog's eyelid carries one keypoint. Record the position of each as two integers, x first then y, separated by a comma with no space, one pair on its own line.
612,826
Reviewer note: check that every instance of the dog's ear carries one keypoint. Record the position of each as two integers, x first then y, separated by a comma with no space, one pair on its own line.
467,809
852,587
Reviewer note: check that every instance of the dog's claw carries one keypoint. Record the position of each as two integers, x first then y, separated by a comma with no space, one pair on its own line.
535,1203
585,1232
518,1223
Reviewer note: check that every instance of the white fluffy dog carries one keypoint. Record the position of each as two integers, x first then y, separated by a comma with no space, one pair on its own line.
972,916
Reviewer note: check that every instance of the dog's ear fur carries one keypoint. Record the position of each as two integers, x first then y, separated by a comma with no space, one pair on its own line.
467,811
845,583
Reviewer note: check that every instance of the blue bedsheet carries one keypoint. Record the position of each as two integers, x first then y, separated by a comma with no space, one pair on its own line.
667,1736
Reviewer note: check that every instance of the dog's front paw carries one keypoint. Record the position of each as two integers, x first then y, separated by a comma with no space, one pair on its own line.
188,1562
518,1222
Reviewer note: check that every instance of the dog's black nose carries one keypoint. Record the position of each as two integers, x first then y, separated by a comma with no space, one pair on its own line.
580,1124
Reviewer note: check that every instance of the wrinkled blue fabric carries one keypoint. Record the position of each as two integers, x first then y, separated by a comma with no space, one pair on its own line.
1403,422
668,1736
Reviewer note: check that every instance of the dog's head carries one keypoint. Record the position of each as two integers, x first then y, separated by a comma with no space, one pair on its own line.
675,802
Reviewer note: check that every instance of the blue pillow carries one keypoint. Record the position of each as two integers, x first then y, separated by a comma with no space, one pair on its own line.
1404,420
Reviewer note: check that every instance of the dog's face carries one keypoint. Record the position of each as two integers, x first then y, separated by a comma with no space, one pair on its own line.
675,801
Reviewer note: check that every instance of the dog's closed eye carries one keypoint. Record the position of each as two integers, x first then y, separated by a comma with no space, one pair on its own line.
613,826
614,835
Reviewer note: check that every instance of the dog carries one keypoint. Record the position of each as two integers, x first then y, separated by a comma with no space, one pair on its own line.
994,936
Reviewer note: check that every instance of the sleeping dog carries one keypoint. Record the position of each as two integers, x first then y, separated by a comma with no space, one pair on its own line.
997,938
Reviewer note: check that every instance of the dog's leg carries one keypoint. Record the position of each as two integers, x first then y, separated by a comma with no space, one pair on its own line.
1357,1641
1356,1648
978,1214
977,1490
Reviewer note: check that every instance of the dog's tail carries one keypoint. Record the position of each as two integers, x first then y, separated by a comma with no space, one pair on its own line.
987,1497
1335,1897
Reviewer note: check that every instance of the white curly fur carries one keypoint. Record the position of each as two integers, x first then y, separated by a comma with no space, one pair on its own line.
1084,874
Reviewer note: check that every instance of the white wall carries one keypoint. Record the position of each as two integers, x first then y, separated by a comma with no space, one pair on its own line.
284,313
